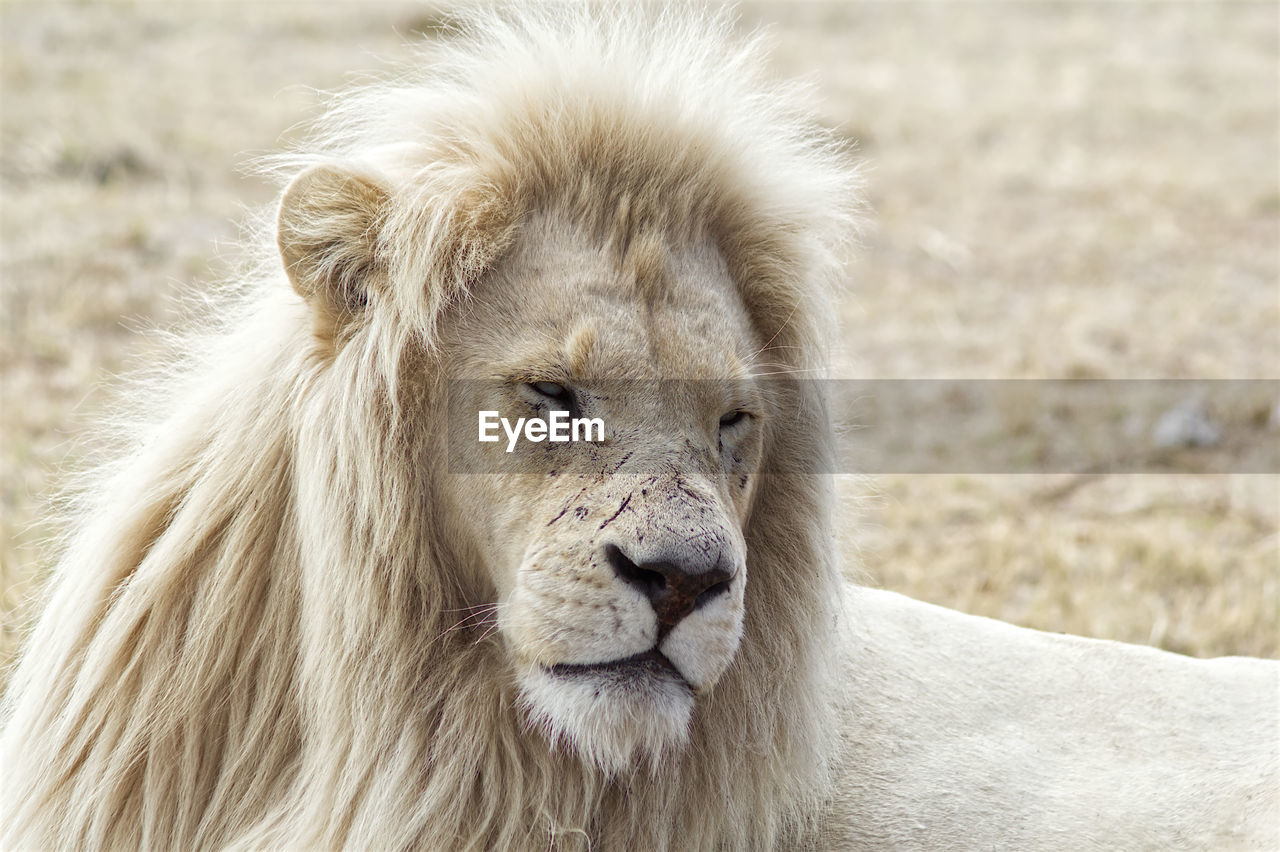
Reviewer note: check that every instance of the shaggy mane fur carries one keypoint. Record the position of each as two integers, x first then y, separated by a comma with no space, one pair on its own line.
253,638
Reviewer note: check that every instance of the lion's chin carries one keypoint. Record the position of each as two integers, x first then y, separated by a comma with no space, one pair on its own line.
616,715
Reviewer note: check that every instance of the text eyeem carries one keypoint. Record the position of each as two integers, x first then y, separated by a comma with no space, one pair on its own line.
558,427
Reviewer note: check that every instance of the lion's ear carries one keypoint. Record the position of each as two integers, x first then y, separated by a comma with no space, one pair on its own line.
327,230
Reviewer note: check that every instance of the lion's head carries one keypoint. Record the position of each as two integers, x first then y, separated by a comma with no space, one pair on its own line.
576,243
388,633
614,571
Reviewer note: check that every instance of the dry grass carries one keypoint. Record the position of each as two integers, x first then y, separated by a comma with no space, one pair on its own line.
1067,189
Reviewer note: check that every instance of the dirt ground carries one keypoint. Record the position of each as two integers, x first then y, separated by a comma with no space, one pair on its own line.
1057,190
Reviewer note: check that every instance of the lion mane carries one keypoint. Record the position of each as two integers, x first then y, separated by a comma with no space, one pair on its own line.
256,635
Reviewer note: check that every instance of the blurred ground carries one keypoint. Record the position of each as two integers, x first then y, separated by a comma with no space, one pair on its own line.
1066,189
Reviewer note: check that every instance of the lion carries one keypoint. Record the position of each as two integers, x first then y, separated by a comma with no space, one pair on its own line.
307,610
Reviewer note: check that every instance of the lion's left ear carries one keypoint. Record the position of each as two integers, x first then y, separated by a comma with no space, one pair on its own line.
327,230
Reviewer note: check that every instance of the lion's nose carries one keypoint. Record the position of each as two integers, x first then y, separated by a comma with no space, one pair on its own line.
674,588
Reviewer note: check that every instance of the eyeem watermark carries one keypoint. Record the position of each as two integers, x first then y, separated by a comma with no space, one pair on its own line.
558,428
908,426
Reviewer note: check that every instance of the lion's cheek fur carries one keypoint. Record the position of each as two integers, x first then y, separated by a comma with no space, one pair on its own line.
552,619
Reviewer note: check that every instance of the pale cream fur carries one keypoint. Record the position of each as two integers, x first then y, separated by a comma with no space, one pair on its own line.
285,623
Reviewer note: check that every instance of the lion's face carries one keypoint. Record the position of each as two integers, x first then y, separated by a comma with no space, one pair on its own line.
619,567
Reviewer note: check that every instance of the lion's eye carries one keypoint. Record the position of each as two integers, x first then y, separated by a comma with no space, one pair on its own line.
551,390
555,396
733,418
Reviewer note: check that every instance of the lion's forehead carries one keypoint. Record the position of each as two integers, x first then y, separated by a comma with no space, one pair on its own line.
656,308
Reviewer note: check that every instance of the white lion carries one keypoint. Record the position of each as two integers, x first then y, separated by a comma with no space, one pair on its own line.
308,612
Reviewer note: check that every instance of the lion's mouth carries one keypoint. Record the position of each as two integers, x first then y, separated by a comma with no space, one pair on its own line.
651,663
